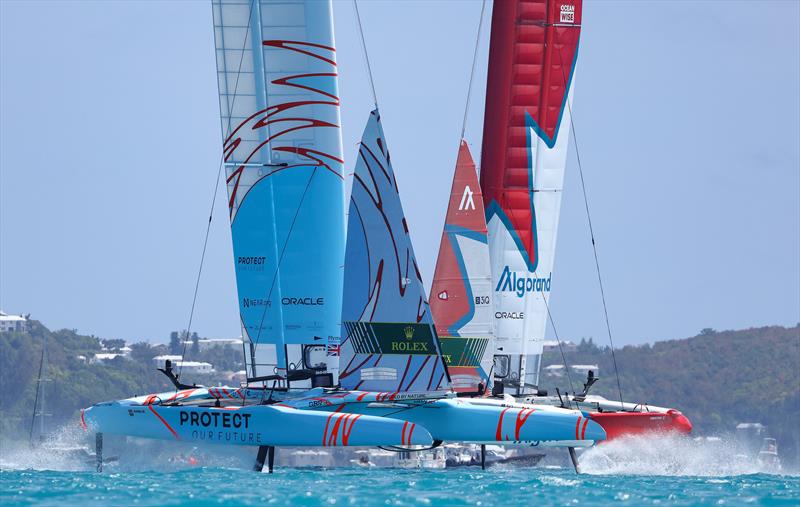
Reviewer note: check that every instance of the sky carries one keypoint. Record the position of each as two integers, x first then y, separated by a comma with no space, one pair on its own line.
687,118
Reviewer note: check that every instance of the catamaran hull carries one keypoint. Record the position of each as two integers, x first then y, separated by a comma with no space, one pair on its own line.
259,425
461,420
321,418
624,419
622,424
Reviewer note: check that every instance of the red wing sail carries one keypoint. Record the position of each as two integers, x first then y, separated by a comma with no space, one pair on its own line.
534,45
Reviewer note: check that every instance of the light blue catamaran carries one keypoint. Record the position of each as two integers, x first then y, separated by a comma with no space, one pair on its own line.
340,344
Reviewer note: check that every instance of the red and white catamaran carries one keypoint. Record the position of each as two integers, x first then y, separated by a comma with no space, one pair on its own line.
494,270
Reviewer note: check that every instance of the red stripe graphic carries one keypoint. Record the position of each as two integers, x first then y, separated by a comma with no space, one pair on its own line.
411,432
347,429
522,416
405,372
498,435
343,421
289,44
164,422
414,378
286,81
335,430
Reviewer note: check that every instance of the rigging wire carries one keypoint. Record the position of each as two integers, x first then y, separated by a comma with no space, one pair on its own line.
39,387
472,72
591,232
213,199
560,347
280,258
366,55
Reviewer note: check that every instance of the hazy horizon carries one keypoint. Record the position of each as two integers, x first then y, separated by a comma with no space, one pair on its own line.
687,117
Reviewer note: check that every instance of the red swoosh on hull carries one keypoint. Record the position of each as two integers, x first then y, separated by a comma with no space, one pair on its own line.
164,422
499,436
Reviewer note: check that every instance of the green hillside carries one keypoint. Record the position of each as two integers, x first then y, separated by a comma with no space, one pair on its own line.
74,383
717,379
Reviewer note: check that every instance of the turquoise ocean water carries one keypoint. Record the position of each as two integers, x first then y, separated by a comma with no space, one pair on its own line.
346,486
671,471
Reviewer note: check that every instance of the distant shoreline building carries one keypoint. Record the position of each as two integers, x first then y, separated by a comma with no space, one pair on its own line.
204,344
160,360
13,323
557,370
193,367
566,345
105,357
584,369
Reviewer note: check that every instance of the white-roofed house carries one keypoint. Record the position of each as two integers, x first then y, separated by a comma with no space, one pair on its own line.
105,357
556,370
583,369
159,361
13,323
192,367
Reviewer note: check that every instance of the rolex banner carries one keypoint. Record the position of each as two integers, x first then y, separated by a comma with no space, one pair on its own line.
390,338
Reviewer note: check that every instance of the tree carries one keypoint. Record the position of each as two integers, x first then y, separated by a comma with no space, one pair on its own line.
707,331
111,343
142,352
195,344
174,343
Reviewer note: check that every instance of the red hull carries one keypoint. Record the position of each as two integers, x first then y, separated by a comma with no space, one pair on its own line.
620,424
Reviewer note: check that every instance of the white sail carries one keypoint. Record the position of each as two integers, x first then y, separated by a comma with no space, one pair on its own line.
534,46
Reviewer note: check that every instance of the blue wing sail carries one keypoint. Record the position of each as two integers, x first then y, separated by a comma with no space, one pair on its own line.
279,103
389,343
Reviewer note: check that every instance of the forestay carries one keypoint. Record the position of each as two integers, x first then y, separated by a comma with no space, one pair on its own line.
279,103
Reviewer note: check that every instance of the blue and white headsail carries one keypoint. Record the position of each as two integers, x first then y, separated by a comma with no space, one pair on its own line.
389,343
279,104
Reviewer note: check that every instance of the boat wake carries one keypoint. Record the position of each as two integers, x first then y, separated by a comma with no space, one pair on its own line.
672,455
71,449
64,450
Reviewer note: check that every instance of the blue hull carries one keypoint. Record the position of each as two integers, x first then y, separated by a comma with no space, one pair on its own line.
254,425
338,418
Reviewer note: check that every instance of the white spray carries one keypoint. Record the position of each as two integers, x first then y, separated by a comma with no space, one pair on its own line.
672,455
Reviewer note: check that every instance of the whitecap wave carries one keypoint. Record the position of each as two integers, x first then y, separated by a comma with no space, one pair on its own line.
672,455
66,449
